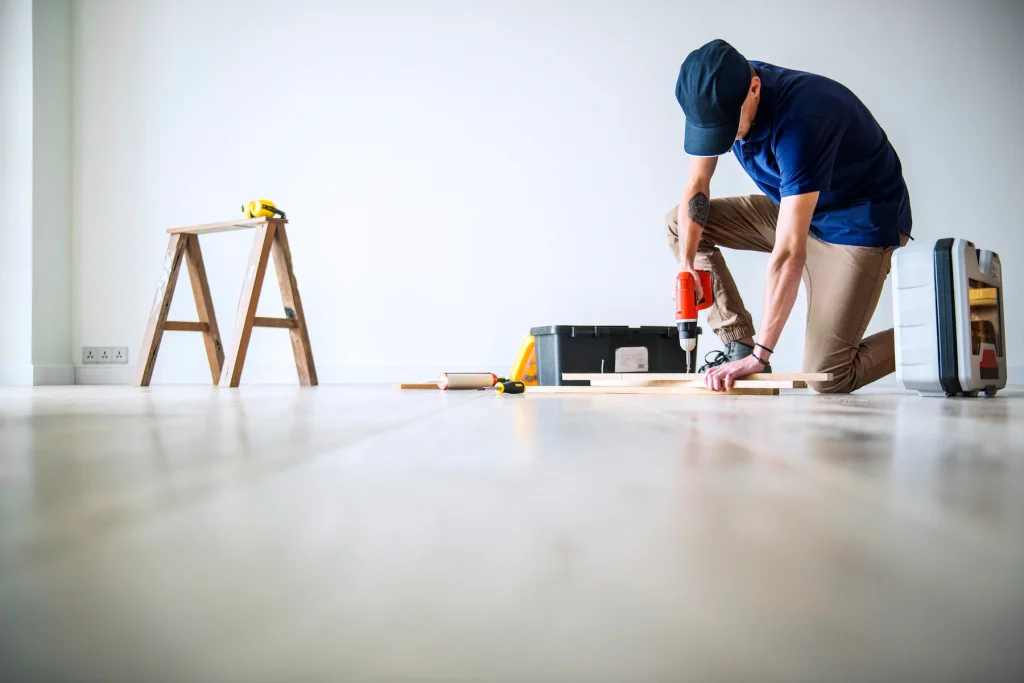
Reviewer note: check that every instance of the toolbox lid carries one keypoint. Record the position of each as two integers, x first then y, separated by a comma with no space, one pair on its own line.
605,330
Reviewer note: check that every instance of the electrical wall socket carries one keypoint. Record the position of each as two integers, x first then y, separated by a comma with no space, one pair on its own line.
104,354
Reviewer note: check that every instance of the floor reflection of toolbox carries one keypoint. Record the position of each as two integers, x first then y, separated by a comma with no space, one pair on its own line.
948,309
615,348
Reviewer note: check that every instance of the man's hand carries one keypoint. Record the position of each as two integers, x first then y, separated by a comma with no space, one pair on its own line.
721,377
698,290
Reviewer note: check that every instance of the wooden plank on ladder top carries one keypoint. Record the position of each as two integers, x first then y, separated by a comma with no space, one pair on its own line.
231,374
158,312
293,309
204,305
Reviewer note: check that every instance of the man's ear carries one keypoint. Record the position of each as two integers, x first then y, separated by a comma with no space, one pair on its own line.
755,86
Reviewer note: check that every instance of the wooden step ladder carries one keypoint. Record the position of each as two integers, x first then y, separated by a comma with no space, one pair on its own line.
227,371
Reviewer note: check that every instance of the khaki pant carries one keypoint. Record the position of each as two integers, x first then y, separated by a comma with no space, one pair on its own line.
843,284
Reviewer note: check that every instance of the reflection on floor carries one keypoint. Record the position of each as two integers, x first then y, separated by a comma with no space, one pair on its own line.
348,533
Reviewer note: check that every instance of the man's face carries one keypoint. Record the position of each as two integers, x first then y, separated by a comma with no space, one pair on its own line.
749,110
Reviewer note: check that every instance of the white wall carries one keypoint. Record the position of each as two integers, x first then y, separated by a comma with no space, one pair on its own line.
35,190
51,192
459,172
15,191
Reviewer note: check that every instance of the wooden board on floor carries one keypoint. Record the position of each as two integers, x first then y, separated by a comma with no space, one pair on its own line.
682,376
739,384
662,391
420,385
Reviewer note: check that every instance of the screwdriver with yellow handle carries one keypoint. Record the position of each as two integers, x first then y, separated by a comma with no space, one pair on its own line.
510,387
506,386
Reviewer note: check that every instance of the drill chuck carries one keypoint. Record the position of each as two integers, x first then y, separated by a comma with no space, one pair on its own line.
687,334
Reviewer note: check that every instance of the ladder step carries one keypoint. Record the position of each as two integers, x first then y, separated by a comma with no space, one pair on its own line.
287,323
183,326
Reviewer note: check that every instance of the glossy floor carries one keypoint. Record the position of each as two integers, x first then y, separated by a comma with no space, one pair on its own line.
358,534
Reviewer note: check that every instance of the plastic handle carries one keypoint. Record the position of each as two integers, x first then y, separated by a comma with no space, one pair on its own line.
686,303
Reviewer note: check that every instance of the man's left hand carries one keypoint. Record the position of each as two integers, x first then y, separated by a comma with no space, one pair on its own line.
721,377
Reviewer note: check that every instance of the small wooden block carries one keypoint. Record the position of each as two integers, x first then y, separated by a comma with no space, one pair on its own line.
420,385
286,323
184,326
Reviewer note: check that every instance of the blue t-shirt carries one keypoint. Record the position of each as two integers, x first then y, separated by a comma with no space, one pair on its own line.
812,134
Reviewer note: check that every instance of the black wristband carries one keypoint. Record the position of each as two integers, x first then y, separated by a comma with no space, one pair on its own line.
763,363
765,347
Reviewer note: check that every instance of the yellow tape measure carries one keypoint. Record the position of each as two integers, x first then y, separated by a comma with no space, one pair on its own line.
261,207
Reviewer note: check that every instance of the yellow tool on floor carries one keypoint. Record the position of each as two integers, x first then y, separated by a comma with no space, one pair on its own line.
261,207
510,387
524,367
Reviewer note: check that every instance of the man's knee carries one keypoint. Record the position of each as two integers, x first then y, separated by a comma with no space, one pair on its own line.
843,371
672,231
841,383
672,224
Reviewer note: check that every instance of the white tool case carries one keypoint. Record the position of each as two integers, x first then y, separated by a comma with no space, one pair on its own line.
948,309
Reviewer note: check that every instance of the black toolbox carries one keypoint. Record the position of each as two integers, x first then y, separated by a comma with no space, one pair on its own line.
607,348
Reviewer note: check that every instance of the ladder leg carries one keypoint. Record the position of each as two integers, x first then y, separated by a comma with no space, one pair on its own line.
293,309
158,313
231,375
204,305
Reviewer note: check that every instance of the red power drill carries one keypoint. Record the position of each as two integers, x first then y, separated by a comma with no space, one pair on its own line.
687,307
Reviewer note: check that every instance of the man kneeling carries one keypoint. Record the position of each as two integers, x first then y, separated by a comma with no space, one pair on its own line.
835,207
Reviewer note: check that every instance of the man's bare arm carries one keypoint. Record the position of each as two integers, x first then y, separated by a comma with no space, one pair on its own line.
786,265
694,208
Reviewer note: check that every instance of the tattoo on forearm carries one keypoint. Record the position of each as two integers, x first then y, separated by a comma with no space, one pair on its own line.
700,207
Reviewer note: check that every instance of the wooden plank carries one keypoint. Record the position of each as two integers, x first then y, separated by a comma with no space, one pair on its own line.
158,312
231,374
682,376
243,224
738,384
284,323
293,309
778,384
185,326
660,391
420,385
204,306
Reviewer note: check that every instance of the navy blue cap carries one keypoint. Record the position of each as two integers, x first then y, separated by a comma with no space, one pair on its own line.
712,85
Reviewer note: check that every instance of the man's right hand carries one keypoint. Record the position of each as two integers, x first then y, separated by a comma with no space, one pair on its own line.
697,289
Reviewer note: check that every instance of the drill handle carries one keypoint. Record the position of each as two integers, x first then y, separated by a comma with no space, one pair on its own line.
705,284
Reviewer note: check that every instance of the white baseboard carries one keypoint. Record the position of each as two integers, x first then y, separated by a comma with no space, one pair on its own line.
15,374
374,374
53,375
104,374
27,375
